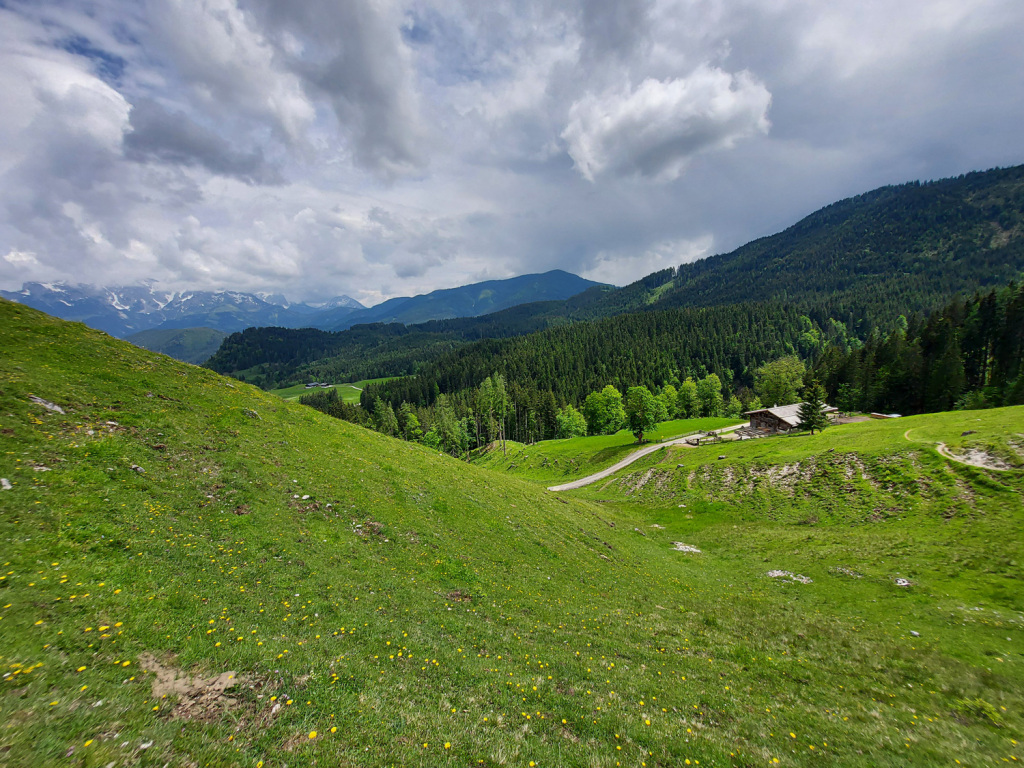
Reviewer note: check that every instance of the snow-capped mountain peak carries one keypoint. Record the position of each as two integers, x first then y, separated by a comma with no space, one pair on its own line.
123,310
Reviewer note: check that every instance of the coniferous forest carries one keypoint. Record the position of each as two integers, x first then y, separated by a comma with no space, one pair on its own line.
905,299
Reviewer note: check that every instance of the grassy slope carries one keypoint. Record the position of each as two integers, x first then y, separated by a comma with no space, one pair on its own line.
486,622
348,392
553,461
855,508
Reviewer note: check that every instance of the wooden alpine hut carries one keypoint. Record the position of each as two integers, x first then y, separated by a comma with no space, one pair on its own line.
782,418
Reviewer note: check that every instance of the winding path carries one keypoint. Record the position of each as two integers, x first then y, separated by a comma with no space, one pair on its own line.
970,462
630,459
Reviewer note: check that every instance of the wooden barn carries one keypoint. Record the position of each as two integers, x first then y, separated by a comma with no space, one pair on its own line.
782,418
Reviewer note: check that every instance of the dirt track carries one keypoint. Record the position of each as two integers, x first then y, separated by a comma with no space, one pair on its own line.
974,458
629,460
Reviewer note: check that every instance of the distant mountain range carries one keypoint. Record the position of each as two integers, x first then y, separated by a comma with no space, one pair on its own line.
466,301
125,310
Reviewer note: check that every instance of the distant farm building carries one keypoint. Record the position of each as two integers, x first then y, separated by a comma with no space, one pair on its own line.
781,419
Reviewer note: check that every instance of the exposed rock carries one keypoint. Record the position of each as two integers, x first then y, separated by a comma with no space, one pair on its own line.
679,546
968,432
137,468
799,578
842,570
5,484
975,457
46,404
904,583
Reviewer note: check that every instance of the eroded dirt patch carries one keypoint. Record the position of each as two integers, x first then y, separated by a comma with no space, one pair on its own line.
198,698
635,482
975,457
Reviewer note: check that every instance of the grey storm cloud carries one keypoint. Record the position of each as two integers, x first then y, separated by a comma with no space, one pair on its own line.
352,54
614,27
389,147
174,138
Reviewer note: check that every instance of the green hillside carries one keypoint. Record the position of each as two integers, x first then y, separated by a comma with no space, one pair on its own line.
329,595
559,461
190,345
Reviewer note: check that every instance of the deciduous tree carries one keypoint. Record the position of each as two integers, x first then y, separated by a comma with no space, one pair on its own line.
641,411
604,411
571,423
778,382
709,392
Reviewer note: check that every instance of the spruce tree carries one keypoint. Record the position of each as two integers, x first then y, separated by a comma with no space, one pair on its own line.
811,415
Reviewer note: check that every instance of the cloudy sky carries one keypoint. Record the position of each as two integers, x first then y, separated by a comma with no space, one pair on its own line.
390,147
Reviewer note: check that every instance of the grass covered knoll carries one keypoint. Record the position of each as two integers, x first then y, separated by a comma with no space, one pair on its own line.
572,458
910,545
380,604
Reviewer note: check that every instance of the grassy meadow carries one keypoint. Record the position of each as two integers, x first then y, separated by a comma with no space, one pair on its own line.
196,572
349,393
554,461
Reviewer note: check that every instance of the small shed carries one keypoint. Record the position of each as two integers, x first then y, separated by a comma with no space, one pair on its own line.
781,418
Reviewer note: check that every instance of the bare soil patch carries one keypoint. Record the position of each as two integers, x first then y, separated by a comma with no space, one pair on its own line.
198,698
975,457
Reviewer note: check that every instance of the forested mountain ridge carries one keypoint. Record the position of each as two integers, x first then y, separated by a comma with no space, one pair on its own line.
868,259
968,354
466,300
269,356
639,348
896,250
190,345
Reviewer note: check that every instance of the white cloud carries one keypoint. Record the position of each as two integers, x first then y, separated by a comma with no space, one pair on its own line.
623,267
654,130
389,147
21,259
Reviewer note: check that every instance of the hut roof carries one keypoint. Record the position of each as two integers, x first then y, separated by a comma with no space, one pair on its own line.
790,414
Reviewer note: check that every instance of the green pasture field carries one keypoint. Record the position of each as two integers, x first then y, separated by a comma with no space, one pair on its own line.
349,393
555,461
328,595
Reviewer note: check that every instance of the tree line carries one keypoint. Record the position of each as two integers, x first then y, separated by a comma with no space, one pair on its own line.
966,355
